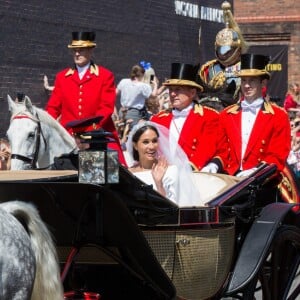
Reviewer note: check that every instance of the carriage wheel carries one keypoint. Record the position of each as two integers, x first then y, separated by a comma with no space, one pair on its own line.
279,278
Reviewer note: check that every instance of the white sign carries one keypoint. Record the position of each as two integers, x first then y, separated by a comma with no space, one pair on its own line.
195,11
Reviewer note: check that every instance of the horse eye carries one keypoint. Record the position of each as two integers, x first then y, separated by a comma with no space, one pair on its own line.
31,135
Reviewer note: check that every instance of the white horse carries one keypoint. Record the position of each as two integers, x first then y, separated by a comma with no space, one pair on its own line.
35,137
29,266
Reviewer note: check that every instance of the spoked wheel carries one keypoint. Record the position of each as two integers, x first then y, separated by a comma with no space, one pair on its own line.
279,278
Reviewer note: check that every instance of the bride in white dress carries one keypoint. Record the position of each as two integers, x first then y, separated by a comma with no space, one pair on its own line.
167,170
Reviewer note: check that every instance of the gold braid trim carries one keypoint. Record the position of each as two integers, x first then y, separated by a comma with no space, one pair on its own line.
287,187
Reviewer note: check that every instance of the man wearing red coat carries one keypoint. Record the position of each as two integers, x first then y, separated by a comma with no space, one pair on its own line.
195,127
256,130
86,90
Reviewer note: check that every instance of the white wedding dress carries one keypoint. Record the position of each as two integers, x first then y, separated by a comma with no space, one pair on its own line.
170,182
179,183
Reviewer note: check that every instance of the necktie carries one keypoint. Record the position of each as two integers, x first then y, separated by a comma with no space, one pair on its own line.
251,107
181,113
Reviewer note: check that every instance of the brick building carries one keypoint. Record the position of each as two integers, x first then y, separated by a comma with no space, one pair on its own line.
34,36
269,23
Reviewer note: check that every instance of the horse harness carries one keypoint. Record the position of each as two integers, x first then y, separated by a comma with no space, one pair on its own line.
32,161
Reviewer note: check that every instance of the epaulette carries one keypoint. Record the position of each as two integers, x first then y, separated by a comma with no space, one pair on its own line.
204,66
198,109
94,69
208,63
268,109
232,109
70,72
163,113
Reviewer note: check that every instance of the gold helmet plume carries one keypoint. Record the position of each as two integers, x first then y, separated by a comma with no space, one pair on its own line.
229,44
230,23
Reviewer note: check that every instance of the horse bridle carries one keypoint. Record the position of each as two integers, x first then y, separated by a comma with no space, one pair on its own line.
32,161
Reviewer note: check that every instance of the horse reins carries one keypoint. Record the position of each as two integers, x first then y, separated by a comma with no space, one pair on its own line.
31,161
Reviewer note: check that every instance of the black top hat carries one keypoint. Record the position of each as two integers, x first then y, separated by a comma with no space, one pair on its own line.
83,39
183,74
254,65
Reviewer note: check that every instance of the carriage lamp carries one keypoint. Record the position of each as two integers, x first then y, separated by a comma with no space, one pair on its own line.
97,164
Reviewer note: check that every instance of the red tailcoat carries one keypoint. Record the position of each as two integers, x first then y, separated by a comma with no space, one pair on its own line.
93,95
270,139
199,137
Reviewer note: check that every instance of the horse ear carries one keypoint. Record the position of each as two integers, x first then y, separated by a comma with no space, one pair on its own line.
28,105
11,103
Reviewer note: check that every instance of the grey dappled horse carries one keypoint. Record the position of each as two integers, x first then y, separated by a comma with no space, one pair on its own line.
28,262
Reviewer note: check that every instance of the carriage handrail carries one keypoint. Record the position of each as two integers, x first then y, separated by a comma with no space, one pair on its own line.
255,180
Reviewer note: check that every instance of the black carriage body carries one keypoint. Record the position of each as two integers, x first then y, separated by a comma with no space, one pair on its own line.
131,242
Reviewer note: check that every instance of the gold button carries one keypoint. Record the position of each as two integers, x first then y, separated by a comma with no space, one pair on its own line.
228,166
194,141
192,155
79,100
263,142
193,147
261,150
79,107
80,93
259,160
80,113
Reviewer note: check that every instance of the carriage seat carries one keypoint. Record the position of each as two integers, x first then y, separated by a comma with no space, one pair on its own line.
212,185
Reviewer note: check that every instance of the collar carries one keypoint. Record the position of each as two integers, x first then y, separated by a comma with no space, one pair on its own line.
94,69
182,113
266,107
84,68
253,106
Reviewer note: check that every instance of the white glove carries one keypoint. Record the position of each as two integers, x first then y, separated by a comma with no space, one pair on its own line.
210,168
246,173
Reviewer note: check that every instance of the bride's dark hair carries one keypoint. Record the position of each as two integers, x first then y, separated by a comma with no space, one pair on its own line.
136,136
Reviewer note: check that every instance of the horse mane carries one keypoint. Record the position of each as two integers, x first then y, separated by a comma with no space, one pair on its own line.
44,117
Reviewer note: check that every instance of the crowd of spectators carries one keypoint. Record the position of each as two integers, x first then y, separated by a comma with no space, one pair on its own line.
140,97
5,154
292,105
161,102
158,100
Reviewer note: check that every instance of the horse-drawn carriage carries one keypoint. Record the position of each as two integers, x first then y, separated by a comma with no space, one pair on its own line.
126,241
